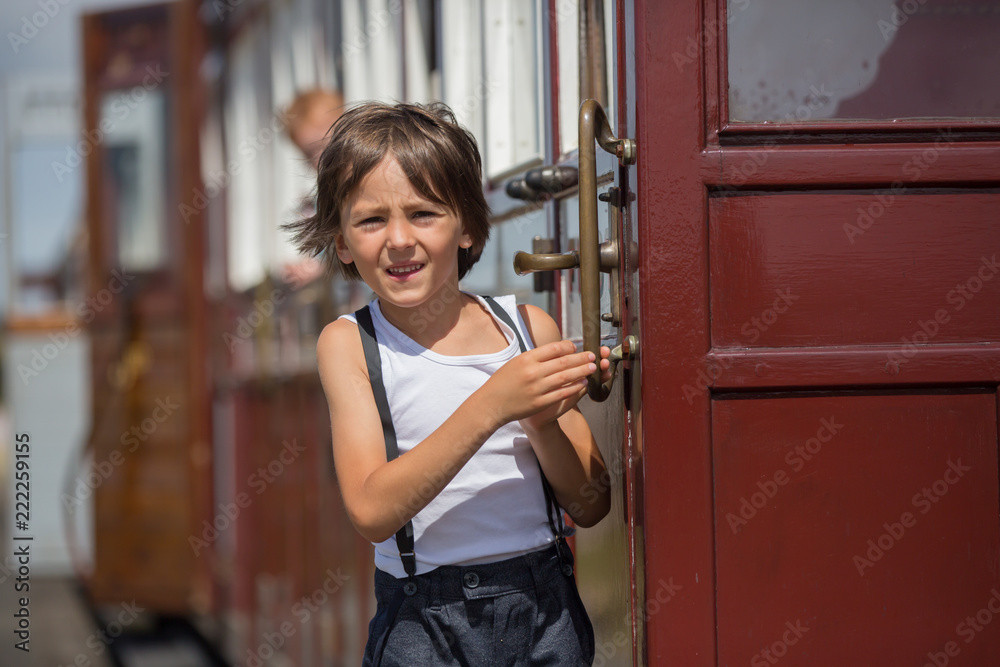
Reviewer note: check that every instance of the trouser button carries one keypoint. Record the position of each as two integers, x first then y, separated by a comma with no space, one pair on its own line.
471,579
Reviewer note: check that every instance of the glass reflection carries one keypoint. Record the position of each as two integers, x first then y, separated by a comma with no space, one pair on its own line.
134,178
802,60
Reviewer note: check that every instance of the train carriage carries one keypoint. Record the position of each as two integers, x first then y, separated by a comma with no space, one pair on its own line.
782,216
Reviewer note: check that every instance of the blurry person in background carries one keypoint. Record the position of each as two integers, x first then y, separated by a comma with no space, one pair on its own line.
307,121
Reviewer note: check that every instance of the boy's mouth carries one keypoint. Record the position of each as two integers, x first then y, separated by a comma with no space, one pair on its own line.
404,270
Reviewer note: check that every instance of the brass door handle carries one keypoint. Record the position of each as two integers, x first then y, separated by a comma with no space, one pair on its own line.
526,262
593,256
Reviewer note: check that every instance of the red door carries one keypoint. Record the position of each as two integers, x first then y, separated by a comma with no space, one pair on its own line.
820,314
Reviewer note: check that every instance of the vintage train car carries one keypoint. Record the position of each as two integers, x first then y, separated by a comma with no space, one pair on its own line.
783,215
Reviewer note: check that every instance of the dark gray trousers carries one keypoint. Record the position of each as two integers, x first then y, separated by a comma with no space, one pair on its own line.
520,611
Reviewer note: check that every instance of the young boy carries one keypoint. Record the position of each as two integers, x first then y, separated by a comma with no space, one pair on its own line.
477,396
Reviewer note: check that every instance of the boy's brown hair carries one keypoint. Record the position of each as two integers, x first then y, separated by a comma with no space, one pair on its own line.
439,157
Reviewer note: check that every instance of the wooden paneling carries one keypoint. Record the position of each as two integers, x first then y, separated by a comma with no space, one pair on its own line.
873,268
297,559
856,529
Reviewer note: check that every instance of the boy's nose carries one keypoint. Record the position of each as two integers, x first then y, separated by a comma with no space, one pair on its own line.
399,233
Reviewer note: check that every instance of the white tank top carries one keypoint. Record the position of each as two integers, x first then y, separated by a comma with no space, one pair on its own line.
494,508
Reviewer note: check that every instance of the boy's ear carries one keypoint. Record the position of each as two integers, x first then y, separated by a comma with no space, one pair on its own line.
343,252
465,241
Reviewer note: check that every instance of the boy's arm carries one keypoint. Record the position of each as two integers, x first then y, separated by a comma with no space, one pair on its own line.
565,447
380,496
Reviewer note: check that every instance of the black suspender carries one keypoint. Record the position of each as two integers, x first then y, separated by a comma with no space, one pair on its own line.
404,536
369,342
551,506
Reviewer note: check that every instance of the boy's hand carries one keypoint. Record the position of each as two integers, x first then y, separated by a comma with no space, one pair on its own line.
542,384
548,416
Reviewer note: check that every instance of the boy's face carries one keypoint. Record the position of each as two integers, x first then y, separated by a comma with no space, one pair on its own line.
404,246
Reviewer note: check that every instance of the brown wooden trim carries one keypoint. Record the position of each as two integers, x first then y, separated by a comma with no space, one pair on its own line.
187,46
716,70
967,164
852,366
855,131
49,321
677,522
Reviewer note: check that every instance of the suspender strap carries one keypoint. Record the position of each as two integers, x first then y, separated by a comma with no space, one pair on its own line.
552,507
506,319
404,537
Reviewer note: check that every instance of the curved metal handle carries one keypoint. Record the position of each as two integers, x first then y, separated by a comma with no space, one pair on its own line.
526,262
593,257
594,126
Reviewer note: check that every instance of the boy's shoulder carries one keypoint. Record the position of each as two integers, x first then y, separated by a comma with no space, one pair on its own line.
338,338
542,328
532,311
340,355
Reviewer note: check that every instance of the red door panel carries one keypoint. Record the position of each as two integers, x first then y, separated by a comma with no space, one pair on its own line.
856,528
854,268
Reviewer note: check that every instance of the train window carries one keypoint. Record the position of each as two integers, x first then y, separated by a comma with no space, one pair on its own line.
462,85
595,19
421,82
802,60
135,163
371,58
294,66
247,135
512,67
568,35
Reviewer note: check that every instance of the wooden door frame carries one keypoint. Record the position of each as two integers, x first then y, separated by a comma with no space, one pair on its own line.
171,293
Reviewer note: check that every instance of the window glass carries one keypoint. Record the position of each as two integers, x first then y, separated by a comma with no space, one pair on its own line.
246,203
568,29
463,86
134,173
801,60
568,33
419,58
292,178
511,42
371,63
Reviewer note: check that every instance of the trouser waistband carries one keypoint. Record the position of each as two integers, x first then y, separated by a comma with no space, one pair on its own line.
457,582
